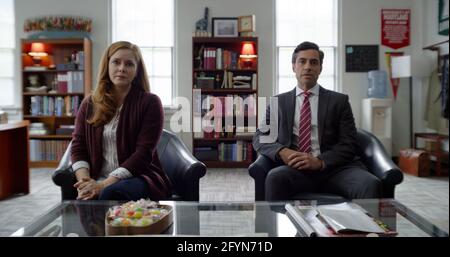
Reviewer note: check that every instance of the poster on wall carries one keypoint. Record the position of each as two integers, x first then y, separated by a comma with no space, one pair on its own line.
395,27
443,17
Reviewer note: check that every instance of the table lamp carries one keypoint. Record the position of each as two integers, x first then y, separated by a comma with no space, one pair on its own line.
37,51
247,55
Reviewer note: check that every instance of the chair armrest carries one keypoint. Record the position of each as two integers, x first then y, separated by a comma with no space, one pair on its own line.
386,170
377,160
258,170
60,176
186,177
64,177
191,181
183,169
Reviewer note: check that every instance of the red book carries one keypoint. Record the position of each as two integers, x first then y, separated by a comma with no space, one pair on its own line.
249,152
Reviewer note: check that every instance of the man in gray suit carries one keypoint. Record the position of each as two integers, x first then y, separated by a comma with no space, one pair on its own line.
315,142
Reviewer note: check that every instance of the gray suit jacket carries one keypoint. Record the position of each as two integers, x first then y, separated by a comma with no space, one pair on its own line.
337,131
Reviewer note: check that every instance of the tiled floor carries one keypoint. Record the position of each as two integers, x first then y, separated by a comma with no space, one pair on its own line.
427,196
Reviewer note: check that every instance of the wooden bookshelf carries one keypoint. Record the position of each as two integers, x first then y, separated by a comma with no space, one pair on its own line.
66,72
218,58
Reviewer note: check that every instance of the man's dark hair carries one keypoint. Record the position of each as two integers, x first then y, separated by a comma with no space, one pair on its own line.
307,46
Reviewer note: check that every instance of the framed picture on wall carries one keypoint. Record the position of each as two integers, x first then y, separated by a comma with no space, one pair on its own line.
225,27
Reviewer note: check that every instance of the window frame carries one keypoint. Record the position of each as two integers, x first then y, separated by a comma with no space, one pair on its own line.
16,85
13,79
334,48
142,47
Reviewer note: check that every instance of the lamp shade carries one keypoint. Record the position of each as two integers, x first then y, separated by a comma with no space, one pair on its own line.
248,51
37,50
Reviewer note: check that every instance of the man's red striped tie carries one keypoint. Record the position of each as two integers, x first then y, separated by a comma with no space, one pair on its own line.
304,133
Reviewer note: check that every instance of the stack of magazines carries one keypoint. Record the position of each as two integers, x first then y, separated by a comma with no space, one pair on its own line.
344,219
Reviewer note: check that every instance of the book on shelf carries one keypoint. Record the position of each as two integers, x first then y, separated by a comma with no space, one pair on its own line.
47,150
70,82
336,220
235,152
242,82
38,129
206,153
65,130
254,81
54,106
218,58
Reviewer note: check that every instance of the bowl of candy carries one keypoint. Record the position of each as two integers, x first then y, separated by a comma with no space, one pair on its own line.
138,218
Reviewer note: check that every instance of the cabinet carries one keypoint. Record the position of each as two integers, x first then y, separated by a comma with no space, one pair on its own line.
14,171
377,119
224,93
56,76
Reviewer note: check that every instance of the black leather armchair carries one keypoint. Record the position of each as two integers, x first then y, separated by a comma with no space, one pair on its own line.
372,154
182,168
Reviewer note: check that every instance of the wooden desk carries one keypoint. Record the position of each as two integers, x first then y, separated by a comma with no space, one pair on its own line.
437,152
14,152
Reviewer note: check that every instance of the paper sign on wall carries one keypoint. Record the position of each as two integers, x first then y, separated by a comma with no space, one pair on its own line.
395,82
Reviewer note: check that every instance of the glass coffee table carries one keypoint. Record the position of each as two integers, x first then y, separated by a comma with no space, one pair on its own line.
249,219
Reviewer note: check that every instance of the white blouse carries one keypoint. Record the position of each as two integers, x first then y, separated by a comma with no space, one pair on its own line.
110,165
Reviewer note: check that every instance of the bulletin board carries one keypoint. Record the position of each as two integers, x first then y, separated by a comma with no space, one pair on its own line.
361,58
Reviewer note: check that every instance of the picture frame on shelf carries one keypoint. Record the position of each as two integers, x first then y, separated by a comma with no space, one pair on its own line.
225,27
246,23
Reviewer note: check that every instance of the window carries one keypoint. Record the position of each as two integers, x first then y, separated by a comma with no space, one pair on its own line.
7,49
305,20
150,25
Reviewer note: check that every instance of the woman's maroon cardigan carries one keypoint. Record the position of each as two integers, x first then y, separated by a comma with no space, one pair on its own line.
138,132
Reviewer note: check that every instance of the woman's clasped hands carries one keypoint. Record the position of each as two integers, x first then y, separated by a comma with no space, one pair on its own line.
88,189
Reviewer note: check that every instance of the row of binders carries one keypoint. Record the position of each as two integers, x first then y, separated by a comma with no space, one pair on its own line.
54,105
47,150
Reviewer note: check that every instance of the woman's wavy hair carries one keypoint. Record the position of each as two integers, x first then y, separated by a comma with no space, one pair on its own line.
103,98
